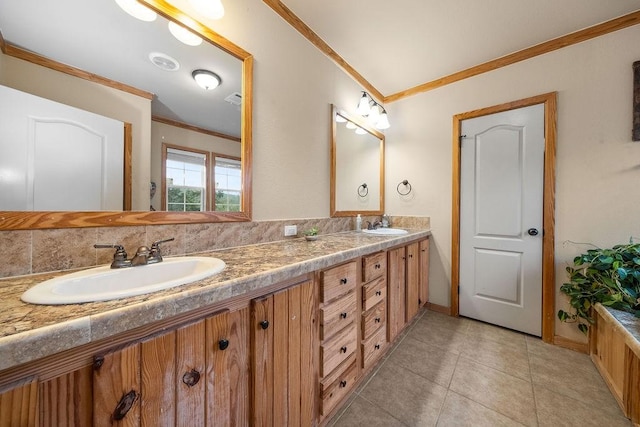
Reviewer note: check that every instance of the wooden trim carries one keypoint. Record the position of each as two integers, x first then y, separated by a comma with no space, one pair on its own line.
128,147
571,344
293,20
34,58
187,126
374,132
598,30
438,308
548,251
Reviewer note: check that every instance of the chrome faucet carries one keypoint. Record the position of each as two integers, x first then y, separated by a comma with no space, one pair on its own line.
376,224
143,256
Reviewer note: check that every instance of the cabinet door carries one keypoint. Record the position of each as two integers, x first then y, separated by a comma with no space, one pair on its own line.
424,271
190,370
67,400
282,357
396,294
159,380
413,281
116,388
19,404
228,369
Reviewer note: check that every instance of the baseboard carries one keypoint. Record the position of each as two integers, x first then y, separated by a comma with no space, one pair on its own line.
438,308
581,347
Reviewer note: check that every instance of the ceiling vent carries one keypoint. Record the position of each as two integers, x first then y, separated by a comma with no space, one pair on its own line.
234,99
163,61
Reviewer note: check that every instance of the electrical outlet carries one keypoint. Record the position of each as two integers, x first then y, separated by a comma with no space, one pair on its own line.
290,230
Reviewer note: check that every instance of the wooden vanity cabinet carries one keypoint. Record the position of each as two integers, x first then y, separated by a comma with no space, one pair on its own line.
282,357
19,404
374,308
423,293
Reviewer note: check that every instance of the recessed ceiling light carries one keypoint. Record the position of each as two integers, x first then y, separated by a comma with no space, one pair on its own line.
206,79
184,35
137,10
164,61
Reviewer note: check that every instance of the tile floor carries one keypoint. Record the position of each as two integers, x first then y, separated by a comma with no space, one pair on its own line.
449,371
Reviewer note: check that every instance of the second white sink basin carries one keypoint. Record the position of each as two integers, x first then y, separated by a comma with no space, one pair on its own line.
386,231
104,283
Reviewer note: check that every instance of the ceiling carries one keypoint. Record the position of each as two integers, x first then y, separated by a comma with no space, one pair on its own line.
99,37
396,45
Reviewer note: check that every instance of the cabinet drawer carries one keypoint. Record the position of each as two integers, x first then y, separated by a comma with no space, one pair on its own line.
373,348
374,292
335,350
335,387
337,314
338,281
373,319
373,266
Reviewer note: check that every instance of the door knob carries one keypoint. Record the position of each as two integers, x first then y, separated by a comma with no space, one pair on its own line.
532,231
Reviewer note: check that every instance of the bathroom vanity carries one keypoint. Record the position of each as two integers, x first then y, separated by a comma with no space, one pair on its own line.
281,337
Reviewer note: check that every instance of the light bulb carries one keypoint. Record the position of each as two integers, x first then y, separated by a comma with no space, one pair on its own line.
137,10
383,121
351,125
361,131
340,119
363,106
374,115
210,8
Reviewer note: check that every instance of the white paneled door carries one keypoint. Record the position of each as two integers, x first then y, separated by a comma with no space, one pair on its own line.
501,201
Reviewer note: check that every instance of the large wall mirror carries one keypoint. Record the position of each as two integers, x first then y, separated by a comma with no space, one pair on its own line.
95,57
357,166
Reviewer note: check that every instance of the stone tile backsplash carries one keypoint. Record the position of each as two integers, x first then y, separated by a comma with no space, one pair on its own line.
39,251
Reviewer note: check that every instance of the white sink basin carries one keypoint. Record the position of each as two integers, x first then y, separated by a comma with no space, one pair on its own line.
386,231
104,283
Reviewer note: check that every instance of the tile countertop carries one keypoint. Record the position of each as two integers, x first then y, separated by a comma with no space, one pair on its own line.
29,332
625,323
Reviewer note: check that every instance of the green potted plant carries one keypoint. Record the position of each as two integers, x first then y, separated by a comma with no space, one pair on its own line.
311,234
608,276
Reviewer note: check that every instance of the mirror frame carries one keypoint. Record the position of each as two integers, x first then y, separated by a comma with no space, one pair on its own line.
21,220
359,121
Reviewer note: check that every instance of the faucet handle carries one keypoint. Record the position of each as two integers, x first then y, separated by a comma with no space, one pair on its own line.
156,244
155,252
119,257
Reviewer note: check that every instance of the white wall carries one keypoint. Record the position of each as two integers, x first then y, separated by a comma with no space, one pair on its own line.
598,166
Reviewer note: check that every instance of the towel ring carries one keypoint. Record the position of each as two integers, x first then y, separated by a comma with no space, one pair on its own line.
363,190
406,184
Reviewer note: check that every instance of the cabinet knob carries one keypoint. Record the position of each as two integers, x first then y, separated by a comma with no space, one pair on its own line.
343,383
343,349
377,320
377,346
343,315
344,281
191,378
126,403
378,293
97,362
264,324
223,344
377,266
410,255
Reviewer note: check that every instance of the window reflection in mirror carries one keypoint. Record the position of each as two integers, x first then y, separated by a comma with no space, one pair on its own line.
186,177
227,177
357,166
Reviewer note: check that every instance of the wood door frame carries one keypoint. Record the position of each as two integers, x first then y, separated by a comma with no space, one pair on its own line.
548,236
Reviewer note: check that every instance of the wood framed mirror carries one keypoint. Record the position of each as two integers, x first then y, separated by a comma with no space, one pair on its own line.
25,220
357,166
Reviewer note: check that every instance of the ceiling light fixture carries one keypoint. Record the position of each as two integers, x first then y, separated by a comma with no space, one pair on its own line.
137,10
206,79
210,8
184,35
370,109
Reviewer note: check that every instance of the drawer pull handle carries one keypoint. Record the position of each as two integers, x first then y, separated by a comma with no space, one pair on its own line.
126,403
223,344
264,324
343,281
343,349
410,255
343,383
377,320
378,293
343,315
191,378
377,346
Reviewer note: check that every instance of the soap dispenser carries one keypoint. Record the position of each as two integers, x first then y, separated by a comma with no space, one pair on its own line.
358,223
385,221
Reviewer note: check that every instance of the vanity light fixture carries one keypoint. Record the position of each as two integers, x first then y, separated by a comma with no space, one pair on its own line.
351,125
361,131
210,8
137,10
206,79
340,119
369,108
184,35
